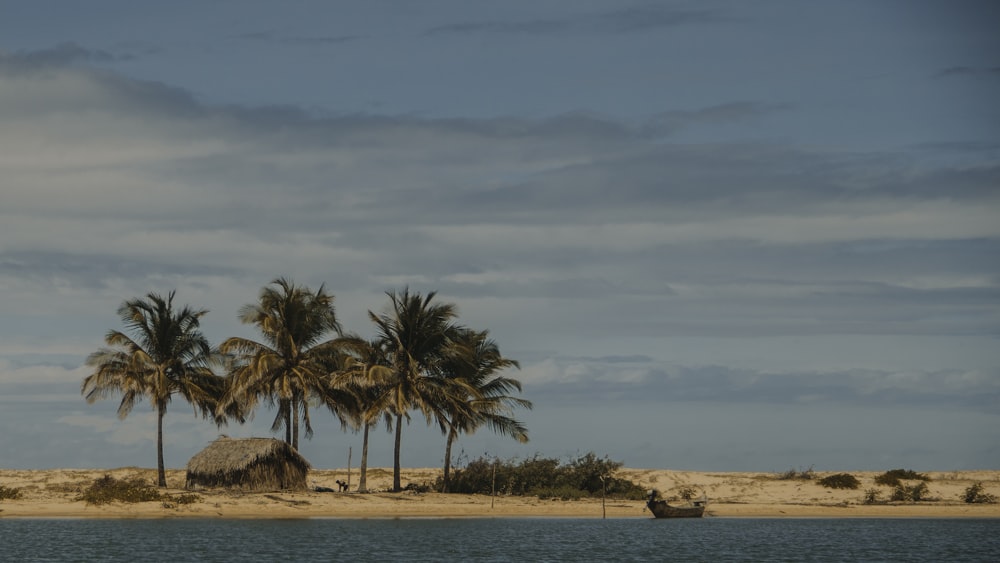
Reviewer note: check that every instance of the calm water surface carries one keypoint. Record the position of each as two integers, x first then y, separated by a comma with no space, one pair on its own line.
508,539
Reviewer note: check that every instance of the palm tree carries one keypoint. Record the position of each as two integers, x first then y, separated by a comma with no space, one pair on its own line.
476,359
365,373
164,354
292,363
415,332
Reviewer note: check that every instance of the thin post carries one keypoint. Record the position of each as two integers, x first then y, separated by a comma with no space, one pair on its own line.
604,487
493,485
348,467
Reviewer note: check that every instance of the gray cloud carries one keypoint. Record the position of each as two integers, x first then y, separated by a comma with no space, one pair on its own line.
670,122
588,380
726,239
313,41
594,252
960,71
625,20
655,16
60,55
522,27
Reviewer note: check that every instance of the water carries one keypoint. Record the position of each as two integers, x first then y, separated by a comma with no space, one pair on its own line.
509,539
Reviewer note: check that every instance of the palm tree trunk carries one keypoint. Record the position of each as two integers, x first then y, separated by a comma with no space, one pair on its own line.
396,487
283,405
447,460
363,483
160,471
294,410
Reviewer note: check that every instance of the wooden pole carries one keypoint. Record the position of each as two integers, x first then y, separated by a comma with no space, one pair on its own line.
604,487
348,467
493,485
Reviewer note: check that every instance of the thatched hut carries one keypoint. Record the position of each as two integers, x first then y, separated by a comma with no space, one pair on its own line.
249,464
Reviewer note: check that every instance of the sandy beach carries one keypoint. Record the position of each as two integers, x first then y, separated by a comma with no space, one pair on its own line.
52,493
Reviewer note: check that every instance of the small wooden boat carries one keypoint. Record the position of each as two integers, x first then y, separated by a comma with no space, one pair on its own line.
663,509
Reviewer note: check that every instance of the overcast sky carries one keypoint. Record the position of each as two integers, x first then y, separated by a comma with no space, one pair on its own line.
717,235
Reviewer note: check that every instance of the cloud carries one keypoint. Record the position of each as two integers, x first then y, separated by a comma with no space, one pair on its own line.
670,122
586,380
43,93
625,20
115,187
89,421
521,27
654,16
299,40
968,71
13,373
60,55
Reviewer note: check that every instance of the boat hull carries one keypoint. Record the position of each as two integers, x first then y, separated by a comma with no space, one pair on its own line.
661,509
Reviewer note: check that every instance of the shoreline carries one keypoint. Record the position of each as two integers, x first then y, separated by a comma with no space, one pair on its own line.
51,493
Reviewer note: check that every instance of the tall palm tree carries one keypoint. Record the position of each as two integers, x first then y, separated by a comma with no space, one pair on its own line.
291,364
164,354
475,358
415,332
366,373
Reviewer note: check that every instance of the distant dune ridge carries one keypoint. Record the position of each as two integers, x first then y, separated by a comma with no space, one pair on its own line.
52,493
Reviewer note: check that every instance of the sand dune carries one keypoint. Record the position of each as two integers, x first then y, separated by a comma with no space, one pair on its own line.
52,493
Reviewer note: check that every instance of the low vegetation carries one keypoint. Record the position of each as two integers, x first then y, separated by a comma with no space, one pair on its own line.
910,493
9,493
686,493
976,494
873,496
840,481
798,475
893,477
107,489
546,478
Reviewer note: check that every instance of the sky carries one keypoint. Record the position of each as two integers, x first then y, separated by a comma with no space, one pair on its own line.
717,235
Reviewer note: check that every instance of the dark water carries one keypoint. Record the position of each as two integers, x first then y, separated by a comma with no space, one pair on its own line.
509,539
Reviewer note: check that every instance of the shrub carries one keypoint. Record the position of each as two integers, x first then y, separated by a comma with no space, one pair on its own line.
919,492
186,498
544,477
899,494
686,493
107,489
872,496
840,481
798,475
417,487
915,493
561,493
975,494
11,493
892,477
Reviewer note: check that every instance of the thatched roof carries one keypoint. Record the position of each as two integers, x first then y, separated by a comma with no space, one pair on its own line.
228,455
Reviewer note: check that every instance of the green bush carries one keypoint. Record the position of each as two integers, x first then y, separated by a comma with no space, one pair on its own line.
892,477
840,481
562,493
544,477
873,496
915,493
975,494
107,489
9,493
